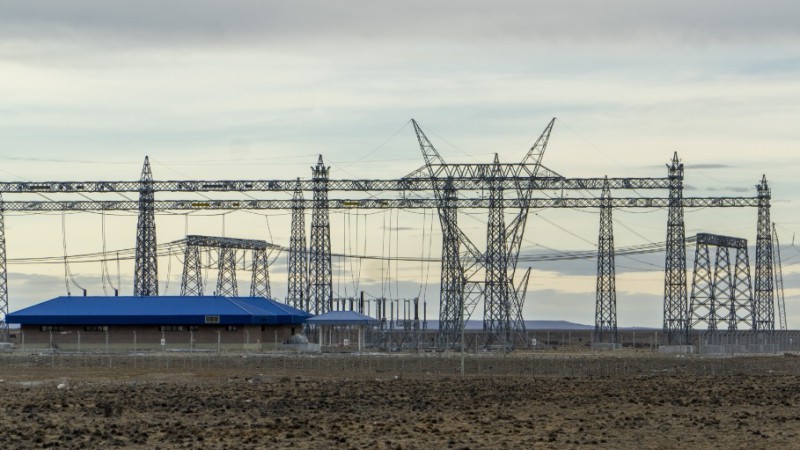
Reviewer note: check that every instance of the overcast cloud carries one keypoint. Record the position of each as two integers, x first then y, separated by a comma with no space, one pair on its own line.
213,22
255,89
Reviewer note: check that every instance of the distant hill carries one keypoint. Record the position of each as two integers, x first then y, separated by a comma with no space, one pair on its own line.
529,325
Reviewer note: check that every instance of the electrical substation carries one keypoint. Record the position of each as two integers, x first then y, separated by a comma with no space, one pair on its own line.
722,296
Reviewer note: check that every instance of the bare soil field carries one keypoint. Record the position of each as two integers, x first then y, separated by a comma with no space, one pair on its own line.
619,400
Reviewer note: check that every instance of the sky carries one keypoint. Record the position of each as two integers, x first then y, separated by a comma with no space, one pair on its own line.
256,90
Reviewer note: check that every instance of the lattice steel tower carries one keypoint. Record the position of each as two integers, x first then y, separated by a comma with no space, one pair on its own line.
497,314
605,313
3,273
297,294
764,314
675,323
320,278
145,277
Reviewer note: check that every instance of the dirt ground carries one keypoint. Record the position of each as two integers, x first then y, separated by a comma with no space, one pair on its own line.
615,402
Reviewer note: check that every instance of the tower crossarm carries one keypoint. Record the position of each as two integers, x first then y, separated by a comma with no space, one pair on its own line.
377,203
465,177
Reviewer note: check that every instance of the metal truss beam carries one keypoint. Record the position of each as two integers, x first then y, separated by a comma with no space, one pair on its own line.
513,175
373,203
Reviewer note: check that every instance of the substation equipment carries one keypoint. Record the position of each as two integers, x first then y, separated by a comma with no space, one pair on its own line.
469,275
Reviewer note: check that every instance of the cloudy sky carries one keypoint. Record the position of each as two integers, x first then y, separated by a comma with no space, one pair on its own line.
251,89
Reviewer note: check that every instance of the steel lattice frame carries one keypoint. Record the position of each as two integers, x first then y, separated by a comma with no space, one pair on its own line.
226,273
259,283
721,295
763,314
320,282
675,323
297,293
451,299
446,181
497,300
192,279
3,273
605,316
742,303
145,278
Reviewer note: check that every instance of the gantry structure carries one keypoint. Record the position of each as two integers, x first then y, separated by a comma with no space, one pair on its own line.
721,291
469,274
226,248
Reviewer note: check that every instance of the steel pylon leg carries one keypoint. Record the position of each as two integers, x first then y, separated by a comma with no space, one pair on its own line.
3,273
259,285
226,276
192,278
605,316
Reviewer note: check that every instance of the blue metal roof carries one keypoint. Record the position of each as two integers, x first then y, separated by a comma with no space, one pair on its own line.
166,310
342,318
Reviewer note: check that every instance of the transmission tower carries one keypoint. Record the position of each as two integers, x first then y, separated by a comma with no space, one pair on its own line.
145,278
605,315
3,274
764,315
297,295
776,245
319,253
497,309
721,294
675,323
259,284
192,279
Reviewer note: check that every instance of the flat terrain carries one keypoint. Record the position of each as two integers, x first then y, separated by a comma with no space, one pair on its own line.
399,402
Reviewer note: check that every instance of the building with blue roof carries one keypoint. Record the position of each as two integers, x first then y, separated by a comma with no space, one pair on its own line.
166,322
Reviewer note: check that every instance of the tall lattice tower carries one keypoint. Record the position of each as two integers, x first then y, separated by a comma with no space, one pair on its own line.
605,313
451,300
3,273
320,277
497,303
675,323
298,257
259,283
145,277
764,314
